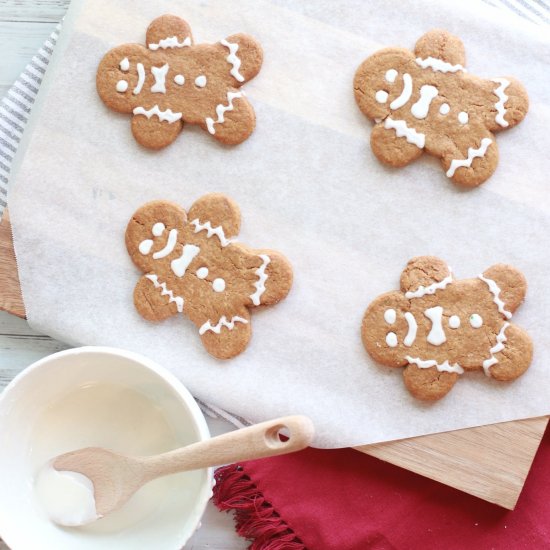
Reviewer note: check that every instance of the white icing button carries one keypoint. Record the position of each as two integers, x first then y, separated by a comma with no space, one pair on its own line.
158,229
390,316
218,285
121,86
463,117
124,65
145,246
200,81
475,320
202,272
391,339
391,75
444,109
381,96
179,79
454,321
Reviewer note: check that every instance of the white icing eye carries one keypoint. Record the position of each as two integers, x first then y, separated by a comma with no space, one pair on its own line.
145,246
200,81
179,79
391,75
463,117
454,321
444,109
202,272
158,229
391,339
381,96
121,86
124,65
475,320
390,316
218,285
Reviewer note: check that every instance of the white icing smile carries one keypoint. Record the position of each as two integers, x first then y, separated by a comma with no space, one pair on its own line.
411,333
141,78
405,94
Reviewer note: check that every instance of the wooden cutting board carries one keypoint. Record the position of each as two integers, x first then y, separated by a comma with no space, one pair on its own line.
490,462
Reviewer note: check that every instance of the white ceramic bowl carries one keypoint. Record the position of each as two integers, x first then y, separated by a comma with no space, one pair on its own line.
32,397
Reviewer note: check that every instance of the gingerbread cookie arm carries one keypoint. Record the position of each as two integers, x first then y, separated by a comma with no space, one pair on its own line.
511,355
442,45
244,56
470,166
217,215
508,103
223,336
428,384
232,121
154,300
273,277
508,287
168,32
424,275
394,144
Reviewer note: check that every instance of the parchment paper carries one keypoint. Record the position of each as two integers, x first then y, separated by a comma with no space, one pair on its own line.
309,186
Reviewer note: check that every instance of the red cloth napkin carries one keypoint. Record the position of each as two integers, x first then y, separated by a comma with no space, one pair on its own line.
345,500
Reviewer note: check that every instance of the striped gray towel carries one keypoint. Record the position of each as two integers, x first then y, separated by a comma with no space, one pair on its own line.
16,106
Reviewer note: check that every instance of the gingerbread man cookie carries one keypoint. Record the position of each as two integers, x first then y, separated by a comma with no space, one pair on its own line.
439,328
172,81
192,266
426,101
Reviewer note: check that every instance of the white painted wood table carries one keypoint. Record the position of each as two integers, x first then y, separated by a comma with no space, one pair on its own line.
24,25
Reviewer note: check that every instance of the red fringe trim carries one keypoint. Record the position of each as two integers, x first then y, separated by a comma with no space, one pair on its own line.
255,518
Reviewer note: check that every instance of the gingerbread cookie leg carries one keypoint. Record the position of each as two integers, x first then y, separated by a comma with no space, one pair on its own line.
154,128
472,166
154,300
395,144
224,336
511,356
428,384
233,120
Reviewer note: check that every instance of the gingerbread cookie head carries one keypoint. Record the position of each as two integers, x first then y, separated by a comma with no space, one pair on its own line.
426,101
170,81
439,328
192,265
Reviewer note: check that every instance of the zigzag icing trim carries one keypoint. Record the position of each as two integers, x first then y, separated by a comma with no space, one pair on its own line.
207,226
233,59
178,300
262,278
170,42
502,99
439,65
499,346
223,322
221,109
495,291
441,367
167,115
472,154
430,289
402,130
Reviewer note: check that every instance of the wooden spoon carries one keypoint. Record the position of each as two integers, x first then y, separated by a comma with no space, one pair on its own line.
116,477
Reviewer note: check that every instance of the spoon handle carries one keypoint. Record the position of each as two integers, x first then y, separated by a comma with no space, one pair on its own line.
257,441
